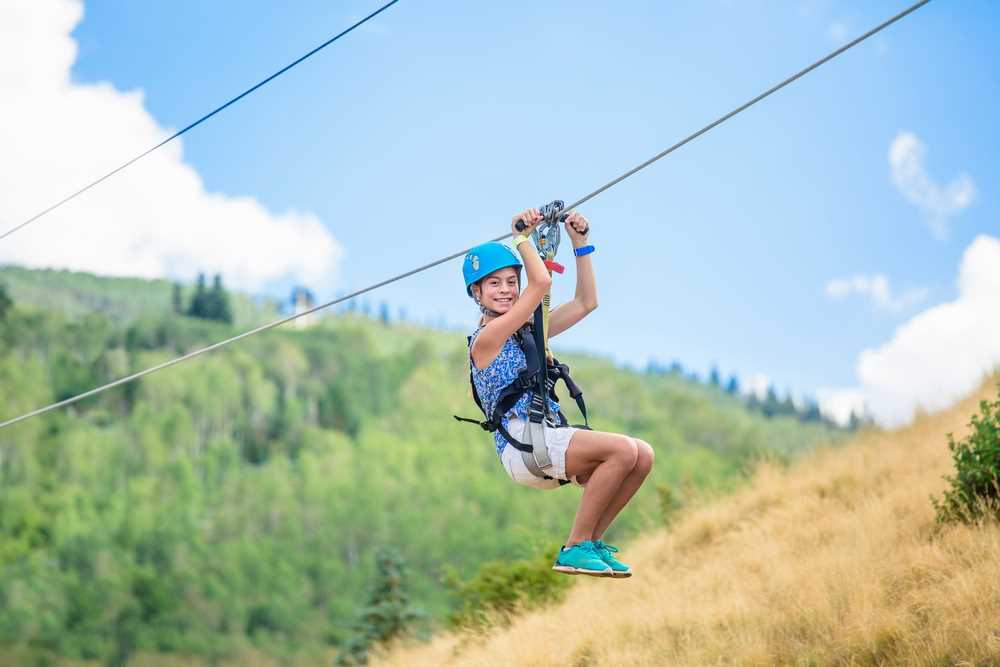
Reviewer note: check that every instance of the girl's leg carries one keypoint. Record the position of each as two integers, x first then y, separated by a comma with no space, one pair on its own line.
608,458
631,484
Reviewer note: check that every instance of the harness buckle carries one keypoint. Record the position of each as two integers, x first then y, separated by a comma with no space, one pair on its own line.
487,425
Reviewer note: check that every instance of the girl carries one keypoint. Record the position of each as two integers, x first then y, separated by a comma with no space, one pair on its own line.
610,467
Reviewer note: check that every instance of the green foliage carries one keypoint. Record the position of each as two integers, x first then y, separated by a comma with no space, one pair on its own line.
177,299
218,299
504,587
974,491
235,502
388,615
6,303
209,304
124,300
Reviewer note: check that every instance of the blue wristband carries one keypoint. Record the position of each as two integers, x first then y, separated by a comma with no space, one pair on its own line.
583,250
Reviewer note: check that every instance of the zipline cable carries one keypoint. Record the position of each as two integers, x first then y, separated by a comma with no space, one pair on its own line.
912,8
265,327
198,122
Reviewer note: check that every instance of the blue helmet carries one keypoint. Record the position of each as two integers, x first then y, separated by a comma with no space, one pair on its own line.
484,259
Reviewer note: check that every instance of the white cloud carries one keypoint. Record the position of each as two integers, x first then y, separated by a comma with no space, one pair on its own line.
875,287
909,175
154,219
939,355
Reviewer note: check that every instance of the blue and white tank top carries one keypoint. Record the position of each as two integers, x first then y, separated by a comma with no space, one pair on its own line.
493,379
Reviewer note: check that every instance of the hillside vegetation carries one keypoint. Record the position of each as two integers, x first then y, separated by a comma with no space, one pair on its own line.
836,560
232,505
73,295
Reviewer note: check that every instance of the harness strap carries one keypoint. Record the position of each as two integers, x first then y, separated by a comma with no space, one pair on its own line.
537,459
561,371
538,378
524,448
486,426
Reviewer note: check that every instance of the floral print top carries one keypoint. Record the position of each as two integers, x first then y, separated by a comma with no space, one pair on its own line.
493,379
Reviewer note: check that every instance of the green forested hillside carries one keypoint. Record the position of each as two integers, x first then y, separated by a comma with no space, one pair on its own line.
75,294
236,501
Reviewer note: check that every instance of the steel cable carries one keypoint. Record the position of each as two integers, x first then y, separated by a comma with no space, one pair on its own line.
197,122
720,120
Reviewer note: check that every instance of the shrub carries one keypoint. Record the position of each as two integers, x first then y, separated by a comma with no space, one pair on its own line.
974,491
502,588
388,615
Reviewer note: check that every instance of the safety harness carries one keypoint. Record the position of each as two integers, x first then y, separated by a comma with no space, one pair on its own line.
541,372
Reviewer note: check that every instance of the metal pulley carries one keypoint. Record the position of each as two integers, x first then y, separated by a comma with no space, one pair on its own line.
546,234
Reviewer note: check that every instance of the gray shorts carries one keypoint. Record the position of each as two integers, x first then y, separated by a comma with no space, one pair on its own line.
556,440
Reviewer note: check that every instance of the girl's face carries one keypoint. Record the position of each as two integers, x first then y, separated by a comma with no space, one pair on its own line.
498,291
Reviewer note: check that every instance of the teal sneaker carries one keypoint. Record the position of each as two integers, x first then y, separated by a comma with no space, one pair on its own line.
606,553
581,558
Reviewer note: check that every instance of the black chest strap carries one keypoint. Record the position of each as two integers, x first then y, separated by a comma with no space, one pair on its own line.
527,381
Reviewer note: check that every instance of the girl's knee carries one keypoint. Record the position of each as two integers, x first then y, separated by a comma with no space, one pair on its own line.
644,456
628,451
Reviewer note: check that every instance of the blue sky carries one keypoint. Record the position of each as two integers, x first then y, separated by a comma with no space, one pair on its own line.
421,135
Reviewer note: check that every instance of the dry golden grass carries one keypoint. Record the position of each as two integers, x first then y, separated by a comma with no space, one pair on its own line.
836,561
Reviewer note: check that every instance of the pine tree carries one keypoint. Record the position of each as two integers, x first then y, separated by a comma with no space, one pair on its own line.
210,304
811,413
713,377
787,406
383,313
733,386
198,306
388,614
218,299
771,407
6,303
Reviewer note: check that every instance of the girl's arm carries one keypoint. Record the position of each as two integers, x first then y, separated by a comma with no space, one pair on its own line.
491,339
585,300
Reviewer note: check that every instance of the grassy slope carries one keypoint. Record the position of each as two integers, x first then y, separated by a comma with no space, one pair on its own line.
835,561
